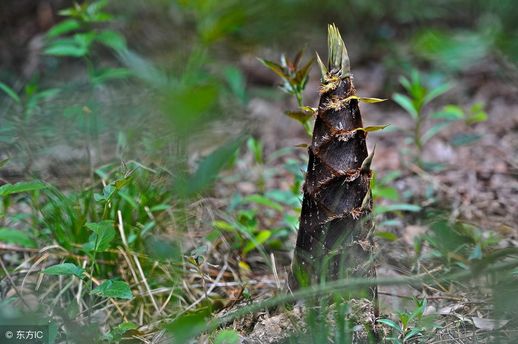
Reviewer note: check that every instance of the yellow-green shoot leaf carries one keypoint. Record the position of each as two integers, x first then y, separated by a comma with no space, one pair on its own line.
373,128
366,99
300,116
371,100
310,109
223,225
259,239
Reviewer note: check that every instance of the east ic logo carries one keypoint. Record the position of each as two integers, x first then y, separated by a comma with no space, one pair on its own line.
23,335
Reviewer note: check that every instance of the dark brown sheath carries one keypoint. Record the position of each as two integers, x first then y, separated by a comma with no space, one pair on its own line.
334,239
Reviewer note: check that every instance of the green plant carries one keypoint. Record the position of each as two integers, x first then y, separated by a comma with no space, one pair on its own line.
411,325
418,97
389,204
77,35
461,245
294,80
414,103
20,117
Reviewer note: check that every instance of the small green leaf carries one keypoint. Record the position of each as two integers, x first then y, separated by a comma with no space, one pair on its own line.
259,239
223,225
449,112
160,207
64,269
120,183
302,73
373,128
301,115
103,234
209,168
17,237
310,109
274,67
227,337
390,323
404,317
405,83
10,92
236,82
397,207
259,199
114,289
255,147
112,40
187,326
84,39
386,192
65,26
476,114
461,139
66,49
365,99
434,130
386,235
406,104
436,92
297,58
412,333
107,74
9,189
118,332
371,100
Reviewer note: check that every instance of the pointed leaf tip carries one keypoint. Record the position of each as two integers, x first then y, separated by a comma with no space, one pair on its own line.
366,164
338,59
323,68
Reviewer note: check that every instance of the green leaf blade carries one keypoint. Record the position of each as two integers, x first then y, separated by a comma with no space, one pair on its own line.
103,234
406,104
113,289
390,323
66,50
10,92
64,27
259,239
112,40
274,67
64,269
17,237
8,189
